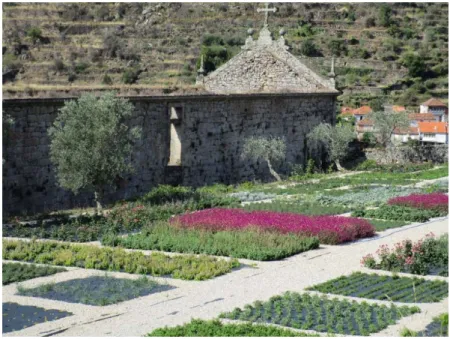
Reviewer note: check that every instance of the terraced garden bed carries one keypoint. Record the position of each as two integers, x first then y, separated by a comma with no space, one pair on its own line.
437,328
15,272
383,225
249,244
186,267
302,208
399,213
214,328
319,313
372,286
98,291
17,317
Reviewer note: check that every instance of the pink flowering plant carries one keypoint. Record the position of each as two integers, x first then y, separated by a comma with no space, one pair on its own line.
329,229
431,201
421,257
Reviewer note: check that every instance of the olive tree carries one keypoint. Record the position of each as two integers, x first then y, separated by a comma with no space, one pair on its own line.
335,140
385,123
91,144
269,149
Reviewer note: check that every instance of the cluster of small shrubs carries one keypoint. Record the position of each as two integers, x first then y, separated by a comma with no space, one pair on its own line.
426,256
214,328
393,168
245,196
186,267
250,244
394,212
15,272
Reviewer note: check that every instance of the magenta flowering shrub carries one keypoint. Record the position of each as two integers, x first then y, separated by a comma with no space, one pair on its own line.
438,201
329,229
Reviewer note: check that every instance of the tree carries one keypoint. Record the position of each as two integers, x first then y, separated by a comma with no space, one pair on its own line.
335,139
384,15
308,48
90,143
272,150
385,124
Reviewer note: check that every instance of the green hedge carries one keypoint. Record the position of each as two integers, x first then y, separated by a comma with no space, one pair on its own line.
15,272
214,328
187,267
252,244
400,213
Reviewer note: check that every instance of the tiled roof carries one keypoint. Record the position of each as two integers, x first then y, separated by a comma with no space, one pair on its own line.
346,111
433,127
365,122
434,102
363,110
409,131
422,116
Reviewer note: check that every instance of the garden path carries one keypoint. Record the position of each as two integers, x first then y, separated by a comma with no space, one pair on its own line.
207,299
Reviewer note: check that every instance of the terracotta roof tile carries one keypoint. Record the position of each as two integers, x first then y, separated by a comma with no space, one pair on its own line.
363,110
365,122
433,127
434,102
409,131
396,108
422,116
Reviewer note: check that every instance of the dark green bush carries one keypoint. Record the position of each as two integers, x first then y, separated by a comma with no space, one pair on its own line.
130,76
15,272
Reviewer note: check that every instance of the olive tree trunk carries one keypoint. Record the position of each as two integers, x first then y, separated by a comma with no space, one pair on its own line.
272,171
338,165
98,196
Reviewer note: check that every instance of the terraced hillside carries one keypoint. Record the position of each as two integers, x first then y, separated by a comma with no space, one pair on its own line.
397,52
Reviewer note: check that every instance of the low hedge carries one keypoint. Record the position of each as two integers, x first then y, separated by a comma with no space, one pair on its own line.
249,244
15,272
401,213
187,267
214,328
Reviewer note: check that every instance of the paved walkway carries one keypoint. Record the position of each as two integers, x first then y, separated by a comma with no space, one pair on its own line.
207,299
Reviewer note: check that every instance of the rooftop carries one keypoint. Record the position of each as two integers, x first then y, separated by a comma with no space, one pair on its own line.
434,102
433,127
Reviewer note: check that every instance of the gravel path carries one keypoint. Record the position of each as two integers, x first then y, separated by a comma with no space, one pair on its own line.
207,299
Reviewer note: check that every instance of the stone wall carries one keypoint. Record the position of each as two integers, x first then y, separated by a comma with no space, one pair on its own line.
406,154
213,129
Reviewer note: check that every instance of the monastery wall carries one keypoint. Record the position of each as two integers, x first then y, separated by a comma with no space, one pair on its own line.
207,134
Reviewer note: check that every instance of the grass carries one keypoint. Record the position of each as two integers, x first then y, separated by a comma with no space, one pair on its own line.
187,267
15,272
383,225
17,317
249,244
391,288
302,208
319,313
97,291
214,328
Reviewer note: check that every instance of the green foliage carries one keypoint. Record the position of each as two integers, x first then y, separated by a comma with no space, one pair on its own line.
384,15
309,48
415,64
90,142
15,272
251,244
107,80
397,289
81,67
337,47
187,267
386,123
392,212
394,168
130,76
369,139
302,208
319,313
214,328
34,33
383,225
335,140
405,332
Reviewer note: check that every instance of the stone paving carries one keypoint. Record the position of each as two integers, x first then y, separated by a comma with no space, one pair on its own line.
207,299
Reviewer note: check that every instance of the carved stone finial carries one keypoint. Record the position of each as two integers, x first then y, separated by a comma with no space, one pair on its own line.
201,70
200,73
332,74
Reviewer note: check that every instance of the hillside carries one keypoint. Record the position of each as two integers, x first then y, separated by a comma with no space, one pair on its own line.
395,52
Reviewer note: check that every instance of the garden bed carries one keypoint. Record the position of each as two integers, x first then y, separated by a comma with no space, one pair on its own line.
186,267
17,317
329,229
15,272
399,213
433,201
97,291
214,328
248,244
426,256
299,208
372,286
319,313
383,225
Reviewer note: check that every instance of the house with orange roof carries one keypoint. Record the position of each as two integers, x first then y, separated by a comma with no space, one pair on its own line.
403,135
436,107
434,132
360,113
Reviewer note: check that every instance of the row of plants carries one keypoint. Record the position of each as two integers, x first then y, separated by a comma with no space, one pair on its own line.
319,313
426,256
305,208
249,244
391,288
400,213
437,328
188,267
365,196
15,272
383,225
372,165
245,196
329,229
214,328
432,201
95,290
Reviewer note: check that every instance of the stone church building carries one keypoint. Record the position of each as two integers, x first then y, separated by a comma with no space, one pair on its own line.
191,140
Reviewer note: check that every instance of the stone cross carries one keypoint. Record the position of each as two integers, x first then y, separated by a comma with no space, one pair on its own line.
266,12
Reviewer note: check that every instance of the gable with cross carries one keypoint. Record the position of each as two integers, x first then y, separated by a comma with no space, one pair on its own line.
266,12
